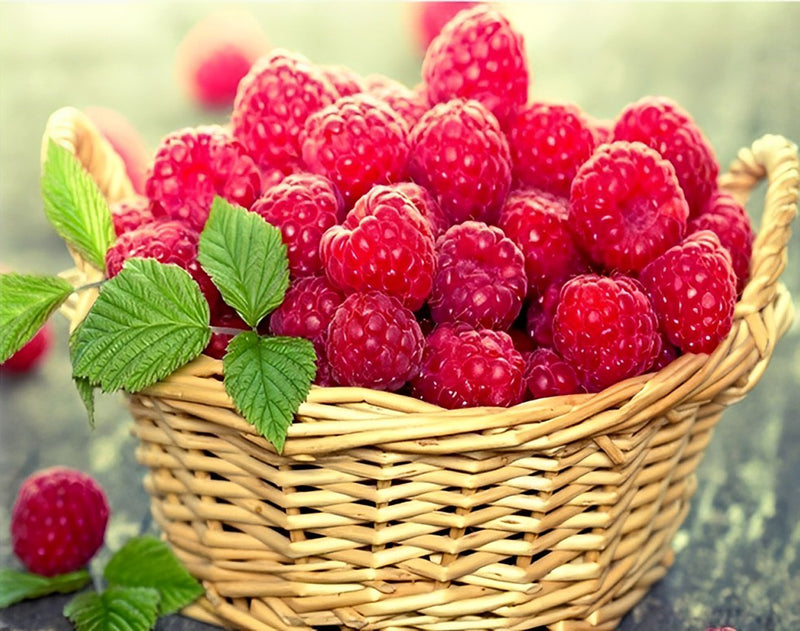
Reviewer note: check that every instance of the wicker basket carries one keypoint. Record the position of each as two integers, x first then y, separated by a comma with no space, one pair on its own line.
384,512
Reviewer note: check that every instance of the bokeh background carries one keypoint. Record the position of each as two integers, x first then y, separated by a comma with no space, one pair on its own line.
734,66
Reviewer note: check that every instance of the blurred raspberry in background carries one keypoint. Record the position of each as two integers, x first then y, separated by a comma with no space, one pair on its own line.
429,18
126,141
31,355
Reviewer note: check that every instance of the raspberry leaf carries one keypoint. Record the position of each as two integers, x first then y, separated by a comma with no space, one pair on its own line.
27,303
268,378
75,206
147,321
115,609
86,392
246,258
16,586
147,562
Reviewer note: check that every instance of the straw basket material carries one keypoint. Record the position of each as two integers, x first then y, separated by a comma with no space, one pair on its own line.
384,512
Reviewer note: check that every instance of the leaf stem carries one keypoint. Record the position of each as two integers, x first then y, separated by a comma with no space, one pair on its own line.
227,330
97,283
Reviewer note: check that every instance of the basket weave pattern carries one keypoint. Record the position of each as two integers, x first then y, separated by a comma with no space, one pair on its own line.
385,512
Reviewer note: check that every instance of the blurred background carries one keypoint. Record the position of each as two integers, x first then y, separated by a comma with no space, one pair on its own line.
734,66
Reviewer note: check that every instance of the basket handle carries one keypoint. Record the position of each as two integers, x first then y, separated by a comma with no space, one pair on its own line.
775,158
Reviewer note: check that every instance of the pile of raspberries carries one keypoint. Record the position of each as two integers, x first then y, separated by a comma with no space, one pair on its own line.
459,241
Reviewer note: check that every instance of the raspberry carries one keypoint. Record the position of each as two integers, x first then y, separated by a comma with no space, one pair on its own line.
126,140
537,222
540,314
224,317
192,166
373,342
626,206
346,81
272,104
459,153
669,352
603,129
384,244
306,311
130,213
728,219
478,55
356,142
548,142
465,367
303,206
430,17
693,289
216,54
547,374
167,242
31,354
58,521
425,204
409,104
480,277
606,328
665,126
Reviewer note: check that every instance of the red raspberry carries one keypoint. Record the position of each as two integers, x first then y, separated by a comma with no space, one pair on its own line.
192,166
373,342
459,153
31,354
346,81
126,140
58,521
216,54
547,374
665,126
480,277
306,311
167,242
540,314
272,104
693,289
478,55
606,328
602,128
626,206
356,142
425,204
537,222
548,142
464,367
130,214
409,104
303,206
223,317
669,352
430,17
728,219
384,244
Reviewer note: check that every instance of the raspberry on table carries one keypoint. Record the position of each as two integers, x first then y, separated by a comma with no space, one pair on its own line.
303,206
626,206
373,342
537,222
192,166
459,153
467,367
356,142
664,125
58,521
31,354
478,55
547,374
425,204
131,213
606,328
409,103
540,314
728,219
223,317
272,104
693,289
384,244
480,277
346,80
167,242
548,142
306,311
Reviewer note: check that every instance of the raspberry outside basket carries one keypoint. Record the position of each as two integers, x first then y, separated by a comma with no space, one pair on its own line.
385,512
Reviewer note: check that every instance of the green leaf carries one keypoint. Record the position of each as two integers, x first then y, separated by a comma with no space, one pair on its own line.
268,378
246,258
147,321
115,609
27,302
86,392
147,562
16,586
75,206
